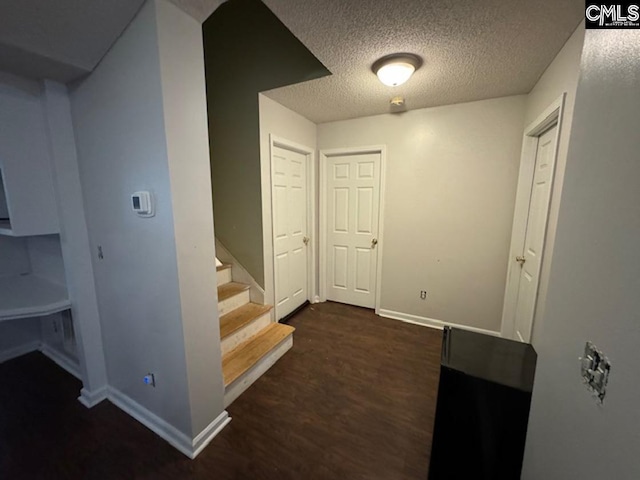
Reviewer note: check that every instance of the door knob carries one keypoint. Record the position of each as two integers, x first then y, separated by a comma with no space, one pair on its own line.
374,242
305,240
521,260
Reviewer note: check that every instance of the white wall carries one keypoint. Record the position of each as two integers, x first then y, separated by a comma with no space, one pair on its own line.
286,124
560,77
450,190
45,255
185,113
594,283
14,256
119,120
18,337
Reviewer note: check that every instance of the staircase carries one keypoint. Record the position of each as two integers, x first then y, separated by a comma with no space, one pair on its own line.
251,343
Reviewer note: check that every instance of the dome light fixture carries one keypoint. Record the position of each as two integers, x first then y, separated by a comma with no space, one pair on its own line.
396,69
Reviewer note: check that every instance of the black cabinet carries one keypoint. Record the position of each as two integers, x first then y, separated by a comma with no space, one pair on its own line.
483,407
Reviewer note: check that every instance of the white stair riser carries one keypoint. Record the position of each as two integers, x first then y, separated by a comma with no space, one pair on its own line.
234,390
245,333
231,303
224,276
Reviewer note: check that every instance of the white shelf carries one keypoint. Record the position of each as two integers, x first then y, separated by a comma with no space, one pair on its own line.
25,296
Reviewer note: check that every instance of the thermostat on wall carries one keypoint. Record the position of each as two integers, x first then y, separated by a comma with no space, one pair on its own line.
142,204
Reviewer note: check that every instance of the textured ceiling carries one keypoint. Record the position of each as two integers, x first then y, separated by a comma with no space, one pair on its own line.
198,9
60,39
472,50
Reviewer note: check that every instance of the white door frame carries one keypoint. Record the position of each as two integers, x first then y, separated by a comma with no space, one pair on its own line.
552,115
275,141
324,154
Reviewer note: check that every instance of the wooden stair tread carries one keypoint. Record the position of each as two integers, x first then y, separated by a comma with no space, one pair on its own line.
230,289
238,318
224,266
245,355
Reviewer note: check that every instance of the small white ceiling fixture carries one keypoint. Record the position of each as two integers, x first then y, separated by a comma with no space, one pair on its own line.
396,69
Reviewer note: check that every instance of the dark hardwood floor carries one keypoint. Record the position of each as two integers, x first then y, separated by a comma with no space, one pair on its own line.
354,399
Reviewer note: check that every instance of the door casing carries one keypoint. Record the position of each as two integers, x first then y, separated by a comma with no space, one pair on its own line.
553,114
275,141
322,254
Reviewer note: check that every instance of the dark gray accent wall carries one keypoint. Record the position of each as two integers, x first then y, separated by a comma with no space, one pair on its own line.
247,50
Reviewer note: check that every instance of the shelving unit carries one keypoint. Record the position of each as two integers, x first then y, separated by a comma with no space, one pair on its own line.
35,309
26,296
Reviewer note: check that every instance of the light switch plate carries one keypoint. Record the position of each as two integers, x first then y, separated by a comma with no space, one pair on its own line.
595,368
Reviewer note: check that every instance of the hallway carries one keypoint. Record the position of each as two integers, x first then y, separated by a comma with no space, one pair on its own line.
354,398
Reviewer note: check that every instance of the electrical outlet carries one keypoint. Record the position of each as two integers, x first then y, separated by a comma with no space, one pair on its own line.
149,379
423,294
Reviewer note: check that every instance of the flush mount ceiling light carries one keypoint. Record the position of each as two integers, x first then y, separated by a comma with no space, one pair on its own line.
395,69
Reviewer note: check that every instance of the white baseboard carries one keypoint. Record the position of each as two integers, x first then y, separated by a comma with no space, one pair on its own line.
315,299
61,360
92,398
432,323
168,432
209,433
18,351
182,442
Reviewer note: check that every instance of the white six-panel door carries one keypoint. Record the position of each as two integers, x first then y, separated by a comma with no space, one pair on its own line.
289,198
531,258
352,203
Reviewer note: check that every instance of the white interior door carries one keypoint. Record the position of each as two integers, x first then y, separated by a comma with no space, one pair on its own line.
531,258
291,239
352,206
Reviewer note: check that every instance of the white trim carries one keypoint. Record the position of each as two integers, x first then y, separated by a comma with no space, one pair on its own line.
209,433
382,150
432,323
276,141
18,351
61,360
173,436
552,115
322,221
91,399
380,246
